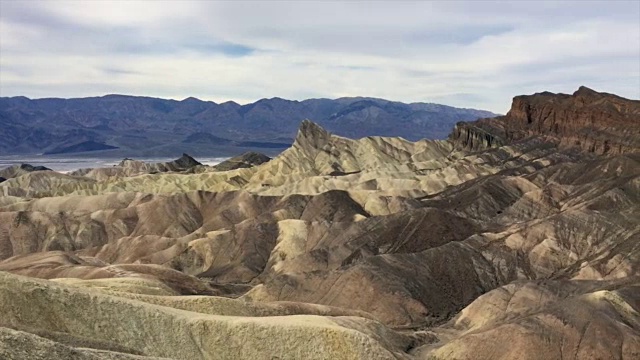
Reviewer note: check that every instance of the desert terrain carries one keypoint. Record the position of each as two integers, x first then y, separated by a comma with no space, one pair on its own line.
518,237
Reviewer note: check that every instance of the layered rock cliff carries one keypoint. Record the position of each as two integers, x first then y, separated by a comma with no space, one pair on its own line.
477,135
591,121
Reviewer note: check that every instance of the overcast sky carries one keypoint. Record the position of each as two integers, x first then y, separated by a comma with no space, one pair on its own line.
461,53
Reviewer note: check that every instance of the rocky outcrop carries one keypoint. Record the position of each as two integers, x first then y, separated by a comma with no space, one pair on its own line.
17,170
182,163
246,160
472,136
593,122
130,167
135,167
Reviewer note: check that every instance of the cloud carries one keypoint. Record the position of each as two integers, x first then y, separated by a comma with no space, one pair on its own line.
68,32
462,53
119,71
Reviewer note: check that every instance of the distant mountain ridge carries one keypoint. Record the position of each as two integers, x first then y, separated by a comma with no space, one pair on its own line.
132,125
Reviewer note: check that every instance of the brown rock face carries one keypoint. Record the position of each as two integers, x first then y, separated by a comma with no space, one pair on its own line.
596,122
475,136
593,122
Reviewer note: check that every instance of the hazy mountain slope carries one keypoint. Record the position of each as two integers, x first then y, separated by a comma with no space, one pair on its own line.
138,125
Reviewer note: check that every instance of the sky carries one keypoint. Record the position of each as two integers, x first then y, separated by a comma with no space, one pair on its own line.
475,54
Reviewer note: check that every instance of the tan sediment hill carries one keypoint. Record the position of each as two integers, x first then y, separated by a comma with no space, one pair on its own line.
369,248
17,170
546,320
163,331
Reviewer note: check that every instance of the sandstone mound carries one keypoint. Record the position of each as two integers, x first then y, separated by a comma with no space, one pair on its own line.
17,170
552,320
79,313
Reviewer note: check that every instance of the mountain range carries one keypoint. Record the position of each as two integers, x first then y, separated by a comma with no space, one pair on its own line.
120,125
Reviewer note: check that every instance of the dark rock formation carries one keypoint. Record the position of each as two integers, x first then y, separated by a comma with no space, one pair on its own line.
311,137
246,160
472,136
131,167
595,122
29,167
184,162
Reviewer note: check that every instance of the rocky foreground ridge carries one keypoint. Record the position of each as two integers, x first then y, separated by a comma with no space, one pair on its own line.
507,241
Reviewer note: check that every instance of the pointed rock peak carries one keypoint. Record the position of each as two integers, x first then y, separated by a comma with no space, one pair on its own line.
584,91
312,135
187,161
246,160
254,157
308,127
